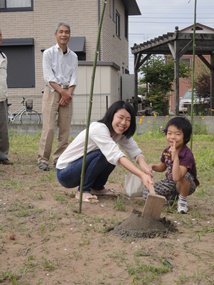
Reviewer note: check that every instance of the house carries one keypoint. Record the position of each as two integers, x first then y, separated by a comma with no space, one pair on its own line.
28,28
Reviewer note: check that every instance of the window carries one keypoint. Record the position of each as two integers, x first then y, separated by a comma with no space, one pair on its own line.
21,62
117,21
126,25
16,5
77,44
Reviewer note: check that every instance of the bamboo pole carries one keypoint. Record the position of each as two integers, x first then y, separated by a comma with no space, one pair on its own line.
193,70
90,104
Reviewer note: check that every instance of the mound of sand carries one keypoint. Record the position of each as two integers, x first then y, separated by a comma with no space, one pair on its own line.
140,227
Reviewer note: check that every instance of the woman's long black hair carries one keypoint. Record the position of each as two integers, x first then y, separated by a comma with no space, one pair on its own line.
109,115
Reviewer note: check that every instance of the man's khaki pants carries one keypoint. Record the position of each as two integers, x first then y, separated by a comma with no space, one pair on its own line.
54,115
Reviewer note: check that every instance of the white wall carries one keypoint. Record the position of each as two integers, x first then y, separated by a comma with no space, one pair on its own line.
105,92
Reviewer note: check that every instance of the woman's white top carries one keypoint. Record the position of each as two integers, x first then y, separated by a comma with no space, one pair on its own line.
99,137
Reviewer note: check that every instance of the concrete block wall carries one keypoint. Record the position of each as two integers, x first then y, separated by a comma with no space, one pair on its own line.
152,124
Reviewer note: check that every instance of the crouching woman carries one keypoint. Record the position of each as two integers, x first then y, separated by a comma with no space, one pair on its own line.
110,143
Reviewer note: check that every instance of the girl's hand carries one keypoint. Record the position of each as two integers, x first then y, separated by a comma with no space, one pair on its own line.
173,150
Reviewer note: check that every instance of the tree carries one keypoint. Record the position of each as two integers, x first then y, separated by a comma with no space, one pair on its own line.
202,85
158,73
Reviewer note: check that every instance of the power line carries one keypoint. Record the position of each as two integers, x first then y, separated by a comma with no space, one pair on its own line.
170,11
170,22
176,18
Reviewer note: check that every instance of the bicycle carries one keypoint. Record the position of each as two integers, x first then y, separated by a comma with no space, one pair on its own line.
25,115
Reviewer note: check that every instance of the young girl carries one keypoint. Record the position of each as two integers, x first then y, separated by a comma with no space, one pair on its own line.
110,141
179,163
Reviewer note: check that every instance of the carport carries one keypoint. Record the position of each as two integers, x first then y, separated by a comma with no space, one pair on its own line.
178,44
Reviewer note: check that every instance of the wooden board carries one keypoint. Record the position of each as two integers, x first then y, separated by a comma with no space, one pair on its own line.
153,206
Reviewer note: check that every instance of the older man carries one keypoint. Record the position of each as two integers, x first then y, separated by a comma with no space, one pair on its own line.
60,75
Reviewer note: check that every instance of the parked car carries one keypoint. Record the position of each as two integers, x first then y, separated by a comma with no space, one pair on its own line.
186,100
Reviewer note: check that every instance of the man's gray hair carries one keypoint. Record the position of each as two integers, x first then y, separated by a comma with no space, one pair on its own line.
63,24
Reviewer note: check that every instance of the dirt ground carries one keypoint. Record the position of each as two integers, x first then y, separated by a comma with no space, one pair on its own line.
44,240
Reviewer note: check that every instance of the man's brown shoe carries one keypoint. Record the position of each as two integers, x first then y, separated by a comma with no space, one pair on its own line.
6,162
42,165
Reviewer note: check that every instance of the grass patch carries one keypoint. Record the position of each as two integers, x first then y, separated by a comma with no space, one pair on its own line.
23,210
119,204
148,273
8,276
39,220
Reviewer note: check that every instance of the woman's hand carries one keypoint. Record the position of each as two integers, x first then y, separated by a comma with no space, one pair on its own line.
143,165
148,170
146,178
148,182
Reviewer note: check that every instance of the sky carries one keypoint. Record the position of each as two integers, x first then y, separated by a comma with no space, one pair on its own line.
161,16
